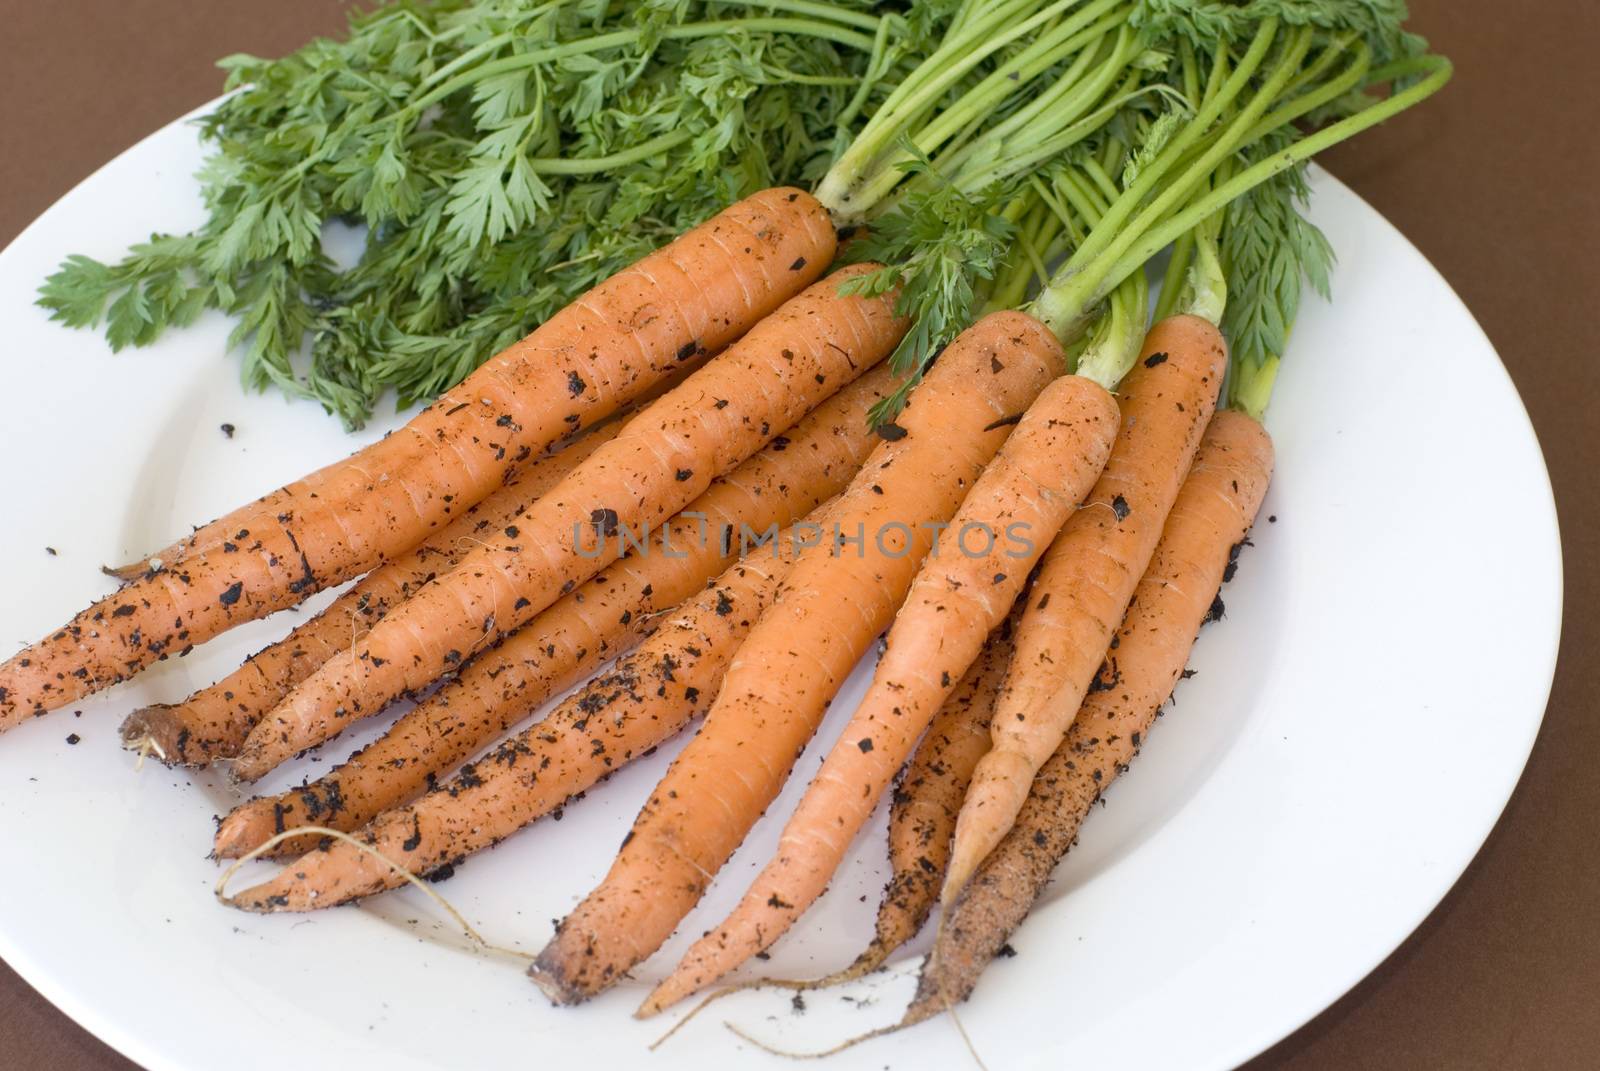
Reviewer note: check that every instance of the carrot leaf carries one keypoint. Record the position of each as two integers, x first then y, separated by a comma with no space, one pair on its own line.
485,162
938,245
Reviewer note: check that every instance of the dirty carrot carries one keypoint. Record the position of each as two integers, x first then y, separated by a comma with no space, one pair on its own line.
644,699
1088,575
1203,534
213,722
659,462
922,817
922,811
836,599
964,589
596,622
695,295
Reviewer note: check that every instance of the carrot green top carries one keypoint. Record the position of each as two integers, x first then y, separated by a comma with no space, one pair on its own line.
1153,123
504,156
409,198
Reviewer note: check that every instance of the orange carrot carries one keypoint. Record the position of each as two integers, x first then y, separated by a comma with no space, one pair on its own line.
213,722
922,811
1089,574
599,620
646,698
1208,522
213,535
962,592
660,461
834,602
695,295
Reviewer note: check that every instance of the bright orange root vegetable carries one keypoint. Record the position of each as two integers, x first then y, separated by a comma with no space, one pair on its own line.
830,608
646,698
693,296
922,814
961,593
659,462
1088,575
599,620
213,722
1210,519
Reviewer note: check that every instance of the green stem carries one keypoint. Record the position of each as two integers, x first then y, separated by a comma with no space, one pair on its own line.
971,32
1437,71
1069,37
877,64
1003,82
1043,121
1353,77
1038,152
812,9
1250,388
592,164
1151,177
1113,343
1176,279
861,177
474,54
1084,281
619,38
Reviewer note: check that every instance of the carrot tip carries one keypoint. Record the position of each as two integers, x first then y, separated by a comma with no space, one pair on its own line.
154,731
227,845
132,570
550,985
243,768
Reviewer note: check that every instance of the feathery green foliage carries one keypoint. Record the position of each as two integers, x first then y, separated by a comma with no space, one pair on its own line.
940,245
502,155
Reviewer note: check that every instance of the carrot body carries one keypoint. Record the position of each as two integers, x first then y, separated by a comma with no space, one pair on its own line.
213,722
594,623
647,697
961,593
834,602
1213,513
660,462
695,295
1088,575
922,811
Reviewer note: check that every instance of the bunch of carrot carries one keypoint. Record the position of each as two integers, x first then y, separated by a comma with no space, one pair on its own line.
726,473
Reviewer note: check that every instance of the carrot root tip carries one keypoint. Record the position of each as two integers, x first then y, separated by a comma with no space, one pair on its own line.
152,730
131,570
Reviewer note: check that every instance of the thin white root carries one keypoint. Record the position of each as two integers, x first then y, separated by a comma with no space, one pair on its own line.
850,1043
272,842
788,1054
145,746
856,971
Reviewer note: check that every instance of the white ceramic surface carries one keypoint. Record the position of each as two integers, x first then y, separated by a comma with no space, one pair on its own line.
1354,729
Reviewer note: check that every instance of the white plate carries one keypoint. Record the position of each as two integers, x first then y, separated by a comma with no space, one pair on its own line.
1354,730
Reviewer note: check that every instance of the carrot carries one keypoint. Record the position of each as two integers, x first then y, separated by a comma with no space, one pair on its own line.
599,620
922,811
959,596
646,698
660,461
834,602
695,295
211,535
1207,524
1088,575
213,722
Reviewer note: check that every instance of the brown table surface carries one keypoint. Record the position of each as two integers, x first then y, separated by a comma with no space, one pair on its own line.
1494,180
